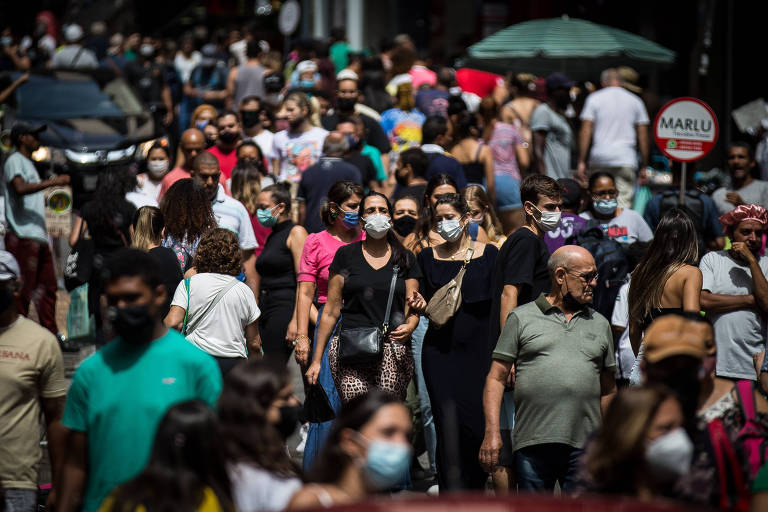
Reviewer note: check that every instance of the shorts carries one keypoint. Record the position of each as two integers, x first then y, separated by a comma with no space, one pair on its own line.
507,193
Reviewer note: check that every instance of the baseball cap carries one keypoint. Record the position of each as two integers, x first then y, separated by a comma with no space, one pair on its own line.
306,65
21,128
9,267
558,80
674,335
73,33
571,192
346,74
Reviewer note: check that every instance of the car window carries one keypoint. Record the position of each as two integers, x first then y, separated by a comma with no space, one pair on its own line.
65,99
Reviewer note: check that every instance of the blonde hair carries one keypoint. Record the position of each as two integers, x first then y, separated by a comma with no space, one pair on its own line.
246,186
147,228
491,224
199,110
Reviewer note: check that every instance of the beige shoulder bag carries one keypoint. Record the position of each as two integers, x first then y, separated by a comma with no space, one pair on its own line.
447,300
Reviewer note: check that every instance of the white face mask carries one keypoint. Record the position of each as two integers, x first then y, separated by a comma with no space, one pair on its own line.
669,456
450,230
377,225
475,221
549,220
157,168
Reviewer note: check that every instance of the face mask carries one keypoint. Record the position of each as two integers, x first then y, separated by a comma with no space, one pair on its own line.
569,300
250,118
549,220
228,137
476,222
450,230
289,420
307,84
265,218
401,177
386,463
346,104
147,50
351,219
6,298
134,324
377,225
605,206
404,225
6,41
352,141
669,456
157,168
200,125
210,142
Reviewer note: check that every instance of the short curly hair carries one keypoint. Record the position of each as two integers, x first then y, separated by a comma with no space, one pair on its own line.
219,253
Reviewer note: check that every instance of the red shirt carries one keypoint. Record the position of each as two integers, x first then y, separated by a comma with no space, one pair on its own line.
177,174
478,82
227,161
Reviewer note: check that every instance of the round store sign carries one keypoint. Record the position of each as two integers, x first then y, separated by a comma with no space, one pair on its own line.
685,129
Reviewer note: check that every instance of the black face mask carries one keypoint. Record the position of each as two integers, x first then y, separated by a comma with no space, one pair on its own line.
209,142
346,104
404,225
134,324
289,420
6,298
250,118
401,178
570,301
228,137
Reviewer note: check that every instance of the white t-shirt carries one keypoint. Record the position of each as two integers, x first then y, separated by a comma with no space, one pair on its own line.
139,199
297,152
625,358
740,333
149,188
231,214
184,65
221,332
615,112
627,228
257,490
266,142
754,193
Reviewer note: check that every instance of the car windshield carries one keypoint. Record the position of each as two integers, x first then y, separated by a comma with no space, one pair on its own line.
48,98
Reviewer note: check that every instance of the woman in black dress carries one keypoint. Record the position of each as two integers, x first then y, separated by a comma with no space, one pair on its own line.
361,274
456,357
277,267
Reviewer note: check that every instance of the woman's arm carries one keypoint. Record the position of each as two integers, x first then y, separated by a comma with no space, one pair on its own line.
523,157
253,340
77,228
175,318
692,290
295,243
404,331
305,294
328,321
635,335
486,155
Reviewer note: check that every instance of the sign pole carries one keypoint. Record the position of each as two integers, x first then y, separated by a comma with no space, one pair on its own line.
683,181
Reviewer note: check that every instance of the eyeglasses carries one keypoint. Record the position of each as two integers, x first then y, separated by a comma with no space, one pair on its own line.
588,277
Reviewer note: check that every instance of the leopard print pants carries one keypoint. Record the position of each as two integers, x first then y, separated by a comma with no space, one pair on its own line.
392,373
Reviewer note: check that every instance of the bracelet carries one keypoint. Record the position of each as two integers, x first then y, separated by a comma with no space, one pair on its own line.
300,337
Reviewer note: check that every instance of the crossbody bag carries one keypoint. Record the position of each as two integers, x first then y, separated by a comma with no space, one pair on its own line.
447,300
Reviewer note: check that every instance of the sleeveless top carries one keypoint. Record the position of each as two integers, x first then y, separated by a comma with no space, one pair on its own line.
275,263
249,82
657,313
475,171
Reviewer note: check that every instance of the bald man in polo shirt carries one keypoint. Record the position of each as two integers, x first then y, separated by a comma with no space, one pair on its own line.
564,361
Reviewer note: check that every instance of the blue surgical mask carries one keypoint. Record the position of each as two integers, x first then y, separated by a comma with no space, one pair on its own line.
450,230
307,84
266,218
351,219
201,125
386,463
605,206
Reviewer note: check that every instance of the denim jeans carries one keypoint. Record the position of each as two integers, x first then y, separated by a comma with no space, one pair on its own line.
430,437
21,500
537,467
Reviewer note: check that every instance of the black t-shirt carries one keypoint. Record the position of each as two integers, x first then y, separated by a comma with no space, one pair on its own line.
107,236
314,185
522,261
364,165
366,290
148,80
375,133
170,271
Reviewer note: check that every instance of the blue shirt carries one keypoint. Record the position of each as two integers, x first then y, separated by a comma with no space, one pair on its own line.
711,227
25,213
231,214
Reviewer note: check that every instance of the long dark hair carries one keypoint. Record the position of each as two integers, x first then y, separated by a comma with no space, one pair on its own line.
111,187
426,220
246,435
674,245
399,252
332,461
337,194
187,211
185,460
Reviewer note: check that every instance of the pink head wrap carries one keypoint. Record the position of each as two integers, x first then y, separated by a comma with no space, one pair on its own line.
742,213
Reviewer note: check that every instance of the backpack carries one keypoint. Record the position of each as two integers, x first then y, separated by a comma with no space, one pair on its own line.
611,262
752,436
692,205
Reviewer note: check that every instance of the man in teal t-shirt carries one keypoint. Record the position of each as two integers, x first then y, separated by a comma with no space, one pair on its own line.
120,393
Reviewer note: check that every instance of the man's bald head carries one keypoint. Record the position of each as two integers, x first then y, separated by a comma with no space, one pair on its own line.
192,135
568,257
205,159
335,144
192,144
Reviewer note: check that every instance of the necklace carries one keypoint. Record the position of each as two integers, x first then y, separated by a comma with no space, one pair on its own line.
460,250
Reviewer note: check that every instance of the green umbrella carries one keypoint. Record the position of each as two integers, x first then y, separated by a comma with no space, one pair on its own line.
578,48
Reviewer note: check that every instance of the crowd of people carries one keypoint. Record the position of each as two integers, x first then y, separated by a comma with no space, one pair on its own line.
461,265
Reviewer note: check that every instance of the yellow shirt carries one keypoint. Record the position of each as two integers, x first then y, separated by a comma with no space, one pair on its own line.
210,503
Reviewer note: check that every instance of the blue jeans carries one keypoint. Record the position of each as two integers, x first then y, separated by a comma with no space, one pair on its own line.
20,500
537,467
430,436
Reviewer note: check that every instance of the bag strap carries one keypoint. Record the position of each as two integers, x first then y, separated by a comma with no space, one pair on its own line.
198,318
186,311
392,283
469,254
746,398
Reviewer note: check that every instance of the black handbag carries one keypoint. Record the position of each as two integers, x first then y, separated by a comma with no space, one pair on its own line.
362,345
317,406
79,265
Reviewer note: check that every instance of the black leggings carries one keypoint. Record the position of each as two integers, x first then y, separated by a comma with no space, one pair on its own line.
276,312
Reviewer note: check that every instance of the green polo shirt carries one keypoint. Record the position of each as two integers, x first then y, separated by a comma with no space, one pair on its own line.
558,365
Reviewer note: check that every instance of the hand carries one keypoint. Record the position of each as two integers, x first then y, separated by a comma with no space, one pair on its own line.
581,174
757,361
734,198
301,352
23,78
489,451
293,331
61,179
741,251
642,177
402,333
313,372
417,303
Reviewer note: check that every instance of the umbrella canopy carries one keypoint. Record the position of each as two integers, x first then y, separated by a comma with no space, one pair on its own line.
579,48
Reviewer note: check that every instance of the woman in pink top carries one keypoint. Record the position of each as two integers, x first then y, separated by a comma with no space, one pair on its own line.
342,227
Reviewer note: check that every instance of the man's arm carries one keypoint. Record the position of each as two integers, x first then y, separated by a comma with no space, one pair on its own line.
539,143
251,277
302,212
23,188
74,473
760,292
231,87
53,408
493,392
607,389
643,145
585,137
720,303
509,296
